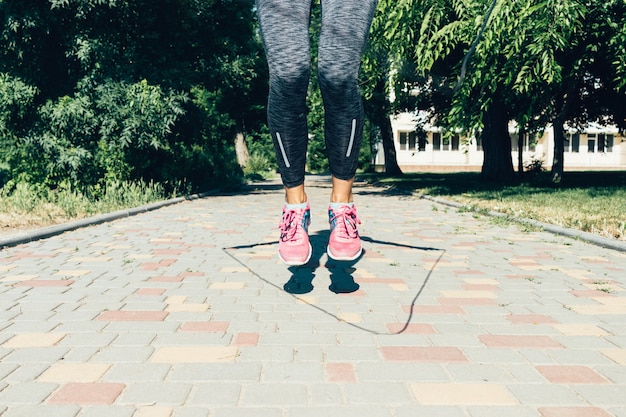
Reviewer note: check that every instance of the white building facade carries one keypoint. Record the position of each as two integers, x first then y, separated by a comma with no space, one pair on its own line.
596,148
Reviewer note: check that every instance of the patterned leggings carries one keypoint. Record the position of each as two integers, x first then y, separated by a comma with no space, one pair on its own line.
285,30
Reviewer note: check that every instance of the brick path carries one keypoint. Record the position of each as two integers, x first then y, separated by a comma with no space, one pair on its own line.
183,312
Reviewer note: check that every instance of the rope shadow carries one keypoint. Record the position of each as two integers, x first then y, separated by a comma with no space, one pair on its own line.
301,281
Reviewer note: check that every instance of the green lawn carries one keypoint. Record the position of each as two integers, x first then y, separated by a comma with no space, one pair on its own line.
593,202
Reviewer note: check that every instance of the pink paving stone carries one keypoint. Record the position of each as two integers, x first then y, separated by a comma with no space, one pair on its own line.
340,372
205,326
423,354
559,374
520,276
153,266
191,274
31,255
573,412
469,272
412,328
523,263
87,393
518,341
357,293
150,291
133,315
246,339
45,283
165,279
168,251
530,319
590,293
433,309
467,301
596,261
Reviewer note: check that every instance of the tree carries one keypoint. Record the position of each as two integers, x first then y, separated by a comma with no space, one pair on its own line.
376,75
122,89
510,53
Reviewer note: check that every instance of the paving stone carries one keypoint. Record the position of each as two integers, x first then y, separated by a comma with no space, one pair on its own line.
163,393
42,411
26,393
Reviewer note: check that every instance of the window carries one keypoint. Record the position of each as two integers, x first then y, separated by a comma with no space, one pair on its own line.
528,144
591,145
422,143
572,143
436,141
605,143
407,141
456,140
445,143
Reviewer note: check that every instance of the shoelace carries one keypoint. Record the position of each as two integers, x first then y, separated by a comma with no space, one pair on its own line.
291,221
347,220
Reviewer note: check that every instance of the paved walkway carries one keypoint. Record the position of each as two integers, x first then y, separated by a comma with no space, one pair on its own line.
183,312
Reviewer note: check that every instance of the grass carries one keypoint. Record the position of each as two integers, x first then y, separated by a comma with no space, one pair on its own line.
593,202
26,206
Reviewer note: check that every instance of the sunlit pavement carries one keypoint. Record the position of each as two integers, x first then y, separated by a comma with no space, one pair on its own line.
186,311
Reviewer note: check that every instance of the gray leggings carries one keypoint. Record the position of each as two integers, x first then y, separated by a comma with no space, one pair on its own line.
285,30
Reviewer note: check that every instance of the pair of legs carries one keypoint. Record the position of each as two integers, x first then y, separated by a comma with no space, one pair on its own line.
344,31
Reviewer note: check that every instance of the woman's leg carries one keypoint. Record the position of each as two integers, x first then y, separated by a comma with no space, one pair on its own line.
285,31
345,28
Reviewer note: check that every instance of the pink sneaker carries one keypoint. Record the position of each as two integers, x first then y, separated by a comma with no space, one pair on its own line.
294,247
344,243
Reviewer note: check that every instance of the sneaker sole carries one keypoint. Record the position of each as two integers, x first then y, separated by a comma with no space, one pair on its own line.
343,258
297,263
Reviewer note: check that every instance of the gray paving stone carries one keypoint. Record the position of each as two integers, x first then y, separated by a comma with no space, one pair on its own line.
346,411
137,372
602,395
545,395
215,394
42,411
107,411
241,411
134,354
166,394
287,372
26,393
36,355
324,394
271,394
499,411
396,372
191,412
242,372
431,411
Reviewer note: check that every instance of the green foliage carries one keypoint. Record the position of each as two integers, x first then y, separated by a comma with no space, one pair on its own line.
95,92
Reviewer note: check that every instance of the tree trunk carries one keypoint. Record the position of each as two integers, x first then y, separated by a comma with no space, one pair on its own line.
559,150
520,151
386,132
377,109
241,148
563,107
497,164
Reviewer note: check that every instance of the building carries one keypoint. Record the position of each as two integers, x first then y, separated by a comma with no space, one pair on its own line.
595,148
